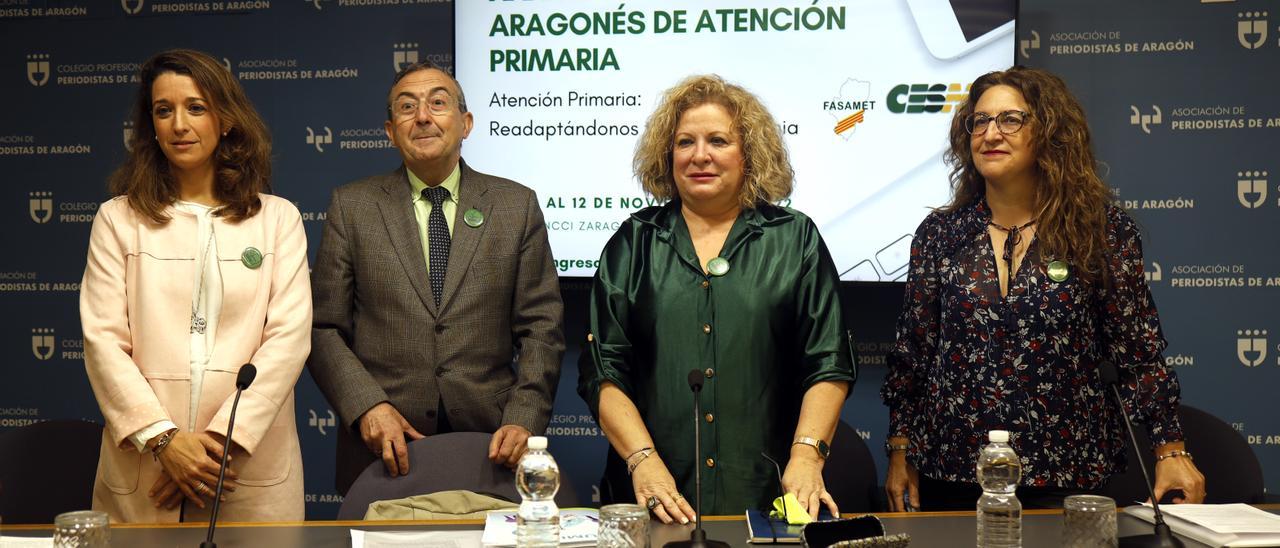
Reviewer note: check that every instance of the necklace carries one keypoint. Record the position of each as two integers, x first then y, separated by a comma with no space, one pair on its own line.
1015,238
198,323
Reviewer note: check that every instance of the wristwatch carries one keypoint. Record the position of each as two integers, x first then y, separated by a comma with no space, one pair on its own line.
824,450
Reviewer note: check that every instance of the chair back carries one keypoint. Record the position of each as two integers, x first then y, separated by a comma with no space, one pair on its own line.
1231,469
443,462
47,468
850,473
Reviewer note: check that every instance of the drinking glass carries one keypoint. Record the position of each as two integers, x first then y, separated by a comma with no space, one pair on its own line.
624,526
83,529
1088,521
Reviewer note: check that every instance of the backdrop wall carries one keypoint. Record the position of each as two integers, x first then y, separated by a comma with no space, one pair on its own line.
1164,117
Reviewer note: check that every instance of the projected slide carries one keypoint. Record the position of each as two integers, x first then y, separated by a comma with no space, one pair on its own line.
863,92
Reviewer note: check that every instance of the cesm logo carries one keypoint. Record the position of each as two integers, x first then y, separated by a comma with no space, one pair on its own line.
319,140
403,55
1250,341
1251,29
1251,188
1145,120
42,343
40,206
850,107
316,3
132,7
38,69
1032,44
925,98
320,423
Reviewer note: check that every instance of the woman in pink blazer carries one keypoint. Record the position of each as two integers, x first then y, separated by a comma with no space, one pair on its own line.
194,270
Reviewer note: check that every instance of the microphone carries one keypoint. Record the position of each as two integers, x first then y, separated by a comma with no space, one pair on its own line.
698,538
695,381
1162,537
243,379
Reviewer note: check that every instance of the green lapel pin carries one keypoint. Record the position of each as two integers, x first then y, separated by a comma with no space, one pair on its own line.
1058,271
718,266
251,257
473,217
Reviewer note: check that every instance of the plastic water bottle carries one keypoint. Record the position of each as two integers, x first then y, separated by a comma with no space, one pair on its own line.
999,512
537,479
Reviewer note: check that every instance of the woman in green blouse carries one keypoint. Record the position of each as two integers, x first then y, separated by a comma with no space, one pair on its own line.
721,280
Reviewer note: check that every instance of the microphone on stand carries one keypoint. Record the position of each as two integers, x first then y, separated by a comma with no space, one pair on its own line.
698,538
243,379
1162,537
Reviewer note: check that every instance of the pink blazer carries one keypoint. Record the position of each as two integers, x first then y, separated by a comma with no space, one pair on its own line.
135,309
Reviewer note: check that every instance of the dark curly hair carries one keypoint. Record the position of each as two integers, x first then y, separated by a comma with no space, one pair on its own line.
1071,199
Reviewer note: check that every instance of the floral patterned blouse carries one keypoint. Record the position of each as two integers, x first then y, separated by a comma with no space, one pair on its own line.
967,360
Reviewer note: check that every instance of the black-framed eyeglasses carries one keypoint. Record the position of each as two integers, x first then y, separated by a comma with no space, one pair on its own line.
1007,122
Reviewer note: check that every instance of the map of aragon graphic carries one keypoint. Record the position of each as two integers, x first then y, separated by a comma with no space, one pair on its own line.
852,90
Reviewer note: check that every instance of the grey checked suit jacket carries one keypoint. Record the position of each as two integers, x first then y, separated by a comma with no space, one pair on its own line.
491,352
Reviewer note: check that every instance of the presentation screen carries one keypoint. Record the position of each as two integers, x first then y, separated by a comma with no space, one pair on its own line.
863,92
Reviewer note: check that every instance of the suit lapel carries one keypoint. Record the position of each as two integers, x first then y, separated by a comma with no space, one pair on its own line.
472,193
402,227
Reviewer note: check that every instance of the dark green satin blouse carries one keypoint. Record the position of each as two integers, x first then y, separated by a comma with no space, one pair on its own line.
762,334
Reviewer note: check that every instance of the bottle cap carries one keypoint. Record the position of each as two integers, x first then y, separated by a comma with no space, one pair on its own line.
537,443
995,436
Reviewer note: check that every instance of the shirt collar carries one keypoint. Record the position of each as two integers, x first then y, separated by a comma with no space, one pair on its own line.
450,183
664,217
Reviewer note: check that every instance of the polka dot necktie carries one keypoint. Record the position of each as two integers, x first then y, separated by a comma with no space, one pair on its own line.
438,238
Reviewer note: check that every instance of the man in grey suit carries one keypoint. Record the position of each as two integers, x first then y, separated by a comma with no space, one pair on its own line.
437,306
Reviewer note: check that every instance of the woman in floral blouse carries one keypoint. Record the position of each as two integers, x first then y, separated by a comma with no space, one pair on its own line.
980,349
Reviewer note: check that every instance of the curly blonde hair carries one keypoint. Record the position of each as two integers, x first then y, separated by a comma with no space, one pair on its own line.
767,173
1071,199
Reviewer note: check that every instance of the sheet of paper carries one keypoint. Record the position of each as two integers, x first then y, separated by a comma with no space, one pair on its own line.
398,539
578,527
1226,518
26,542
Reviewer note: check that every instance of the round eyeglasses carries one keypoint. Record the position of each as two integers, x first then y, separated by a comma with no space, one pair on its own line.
1007,122
408,107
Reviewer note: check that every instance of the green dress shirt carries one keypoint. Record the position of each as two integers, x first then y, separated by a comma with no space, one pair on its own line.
762,334
422,206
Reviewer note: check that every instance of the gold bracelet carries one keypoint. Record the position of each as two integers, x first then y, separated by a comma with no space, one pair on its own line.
1175,453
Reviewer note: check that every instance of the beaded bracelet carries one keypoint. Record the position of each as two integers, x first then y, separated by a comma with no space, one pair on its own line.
1174,453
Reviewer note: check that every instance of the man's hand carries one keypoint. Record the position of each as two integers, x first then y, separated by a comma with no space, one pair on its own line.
508,445
383,430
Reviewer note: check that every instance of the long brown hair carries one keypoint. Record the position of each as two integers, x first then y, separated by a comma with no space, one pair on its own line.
767,175
242,159
1071,199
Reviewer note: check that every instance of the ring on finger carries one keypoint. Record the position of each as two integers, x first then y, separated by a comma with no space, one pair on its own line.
201,487
651,503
